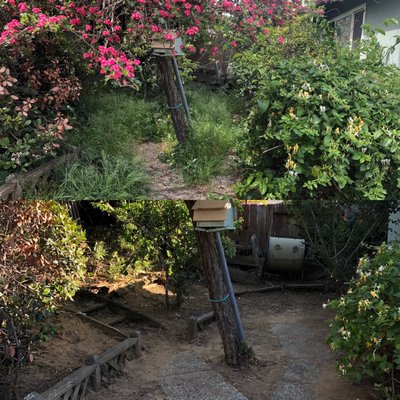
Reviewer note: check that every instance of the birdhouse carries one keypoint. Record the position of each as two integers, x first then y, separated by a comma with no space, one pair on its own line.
163,47
215,215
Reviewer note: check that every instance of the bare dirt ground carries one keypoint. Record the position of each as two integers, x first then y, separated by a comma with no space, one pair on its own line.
286,330
168,184
53,360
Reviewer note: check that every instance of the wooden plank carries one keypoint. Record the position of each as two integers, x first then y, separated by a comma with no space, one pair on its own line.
204,318
85,388
33,396
105,328
114,364
305,286
93,308
262,227
259,290
76,391
116,321
96,377
192,328
67,385
6,190
15,182
253,219
130,312
249,261
117,350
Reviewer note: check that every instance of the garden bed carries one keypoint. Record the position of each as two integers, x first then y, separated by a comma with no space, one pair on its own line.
57,357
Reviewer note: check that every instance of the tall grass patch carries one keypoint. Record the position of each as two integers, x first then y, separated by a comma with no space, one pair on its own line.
102,178
112,121
211,144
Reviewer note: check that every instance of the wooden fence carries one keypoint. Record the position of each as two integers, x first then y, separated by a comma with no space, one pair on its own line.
13,188
265,220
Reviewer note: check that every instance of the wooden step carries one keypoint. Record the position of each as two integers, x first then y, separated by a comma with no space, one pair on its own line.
117,320
93,308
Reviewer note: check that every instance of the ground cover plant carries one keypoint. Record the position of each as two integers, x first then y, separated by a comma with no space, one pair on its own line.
95,178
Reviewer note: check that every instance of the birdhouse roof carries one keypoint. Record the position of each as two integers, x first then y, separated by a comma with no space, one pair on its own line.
211,210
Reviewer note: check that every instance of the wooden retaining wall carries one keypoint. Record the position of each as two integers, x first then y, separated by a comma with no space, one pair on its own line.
13,189
76,385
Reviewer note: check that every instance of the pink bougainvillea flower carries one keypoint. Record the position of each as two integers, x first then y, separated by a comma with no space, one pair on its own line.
22,7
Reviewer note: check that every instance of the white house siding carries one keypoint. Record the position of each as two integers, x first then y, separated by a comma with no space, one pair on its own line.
376,14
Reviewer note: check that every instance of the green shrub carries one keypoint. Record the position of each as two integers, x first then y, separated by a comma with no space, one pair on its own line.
366,330
159,234
336,233
43,260
324,124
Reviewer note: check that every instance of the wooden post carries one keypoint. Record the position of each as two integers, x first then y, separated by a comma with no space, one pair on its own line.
217,290
173,99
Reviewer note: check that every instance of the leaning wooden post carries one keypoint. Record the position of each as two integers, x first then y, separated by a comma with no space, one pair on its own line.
209,217
174,101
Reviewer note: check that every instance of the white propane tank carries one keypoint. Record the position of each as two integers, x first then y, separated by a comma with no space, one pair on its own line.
285,254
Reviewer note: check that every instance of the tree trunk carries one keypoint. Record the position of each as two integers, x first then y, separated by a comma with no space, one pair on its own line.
173,98
217,290
164,268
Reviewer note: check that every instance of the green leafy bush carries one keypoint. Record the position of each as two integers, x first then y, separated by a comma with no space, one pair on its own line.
366,330
323,124
43,260
159,234
337,233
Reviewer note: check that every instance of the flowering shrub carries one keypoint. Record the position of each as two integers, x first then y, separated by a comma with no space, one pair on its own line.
110,29
366,330
31,124
323,124
37,80
42,261
40,41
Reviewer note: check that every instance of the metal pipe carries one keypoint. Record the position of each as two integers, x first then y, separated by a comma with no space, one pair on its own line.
182,90
228,283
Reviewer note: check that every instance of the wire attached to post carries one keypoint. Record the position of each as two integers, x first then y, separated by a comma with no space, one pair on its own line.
226,298
177,107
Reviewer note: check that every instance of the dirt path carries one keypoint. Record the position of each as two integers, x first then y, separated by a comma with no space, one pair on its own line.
287,332
167,183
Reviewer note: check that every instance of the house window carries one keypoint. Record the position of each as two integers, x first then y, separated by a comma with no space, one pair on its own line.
348,26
